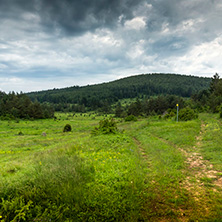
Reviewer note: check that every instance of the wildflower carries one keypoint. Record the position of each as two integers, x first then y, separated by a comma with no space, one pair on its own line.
0,216
40,162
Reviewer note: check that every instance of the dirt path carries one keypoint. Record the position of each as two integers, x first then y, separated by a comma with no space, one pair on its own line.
201,171
141,149
201,180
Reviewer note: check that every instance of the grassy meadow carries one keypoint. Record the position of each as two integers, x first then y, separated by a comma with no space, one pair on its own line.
151,170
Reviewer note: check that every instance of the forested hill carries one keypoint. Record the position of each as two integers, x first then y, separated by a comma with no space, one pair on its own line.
95,96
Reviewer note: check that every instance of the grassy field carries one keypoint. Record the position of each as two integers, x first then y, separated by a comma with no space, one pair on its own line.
151,170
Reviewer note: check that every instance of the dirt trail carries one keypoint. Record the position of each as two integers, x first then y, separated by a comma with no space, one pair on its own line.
140,149
201,177
200,169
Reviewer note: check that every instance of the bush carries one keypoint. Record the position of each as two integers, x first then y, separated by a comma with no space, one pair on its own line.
170,113
67,128
220,111
130,118
106,126
187,114
7,117
20,133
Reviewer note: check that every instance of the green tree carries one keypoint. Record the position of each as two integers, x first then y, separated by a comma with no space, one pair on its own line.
215,98
214,82
119,110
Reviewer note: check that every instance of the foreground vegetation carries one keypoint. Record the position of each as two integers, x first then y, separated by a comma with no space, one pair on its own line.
153,169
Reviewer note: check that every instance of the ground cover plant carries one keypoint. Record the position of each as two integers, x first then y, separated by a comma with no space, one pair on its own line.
106,126
67,176
67,128
149,170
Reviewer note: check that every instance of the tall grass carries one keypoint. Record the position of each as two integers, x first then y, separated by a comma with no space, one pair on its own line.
55,184
212,140
137,174
82,178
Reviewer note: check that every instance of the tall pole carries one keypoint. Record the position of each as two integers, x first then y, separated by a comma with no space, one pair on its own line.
177,111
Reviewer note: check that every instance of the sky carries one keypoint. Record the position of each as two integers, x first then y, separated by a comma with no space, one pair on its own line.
46,44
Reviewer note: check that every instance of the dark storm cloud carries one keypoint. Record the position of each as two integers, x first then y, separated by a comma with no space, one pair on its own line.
72,16
86,15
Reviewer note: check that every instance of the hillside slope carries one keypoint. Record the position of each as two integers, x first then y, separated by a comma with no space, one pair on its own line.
131,87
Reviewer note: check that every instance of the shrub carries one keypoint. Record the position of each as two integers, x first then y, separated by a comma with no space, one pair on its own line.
170,113
106,126
220,111
67,128
187,114
20,133
130,118
7,117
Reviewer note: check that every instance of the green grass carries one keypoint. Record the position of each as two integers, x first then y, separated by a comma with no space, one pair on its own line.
163,195
68,176
167,195
137,174
212,140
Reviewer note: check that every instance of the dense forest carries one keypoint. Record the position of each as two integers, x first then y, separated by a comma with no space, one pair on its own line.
102,96
150,94
206,100
20,106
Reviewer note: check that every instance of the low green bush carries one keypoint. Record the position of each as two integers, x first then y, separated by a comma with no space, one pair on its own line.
186,114
20,133
106,126
7,117
130,118
221,111
169,114
67,128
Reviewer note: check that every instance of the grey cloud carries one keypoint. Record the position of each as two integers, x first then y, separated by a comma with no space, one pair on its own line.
72,16
75,17
174,13
47,39
175,45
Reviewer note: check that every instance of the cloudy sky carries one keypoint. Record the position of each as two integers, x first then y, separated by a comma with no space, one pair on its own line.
48,44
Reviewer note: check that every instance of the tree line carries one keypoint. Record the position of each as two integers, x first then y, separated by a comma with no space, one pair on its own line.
101,97
207,100
202,94
211,98
18,105
153,106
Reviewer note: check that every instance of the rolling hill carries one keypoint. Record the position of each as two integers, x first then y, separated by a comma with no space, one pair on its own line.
144,85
